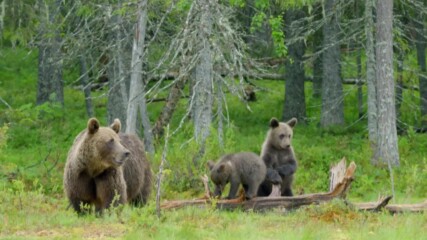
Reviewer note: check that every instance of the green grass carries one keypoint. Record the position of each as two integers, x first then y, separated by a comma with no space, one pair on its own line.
33,215
32,204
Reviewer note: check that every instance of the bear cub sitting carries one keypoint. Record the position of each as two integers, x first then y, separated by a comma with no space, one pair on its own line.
105,167
279,157
244,168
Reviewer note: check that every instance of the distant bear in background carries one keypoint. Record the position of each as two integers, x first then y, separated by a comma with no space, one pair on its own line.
279,157
244,168
103,165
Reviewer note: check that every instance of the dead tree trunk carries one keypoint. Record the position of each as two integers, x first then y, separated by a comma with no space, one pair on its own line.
50,84
118,80
370,77
387,149
382,204
137,85
169,108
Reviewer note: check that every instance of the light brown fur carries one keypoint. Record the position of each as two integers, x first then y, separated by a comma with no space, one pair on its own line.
103,165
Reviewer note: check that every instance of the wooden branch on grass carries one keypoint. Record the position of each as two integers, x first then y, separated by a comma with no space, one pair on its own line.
340,180
400,208
374,206
382,204
260,203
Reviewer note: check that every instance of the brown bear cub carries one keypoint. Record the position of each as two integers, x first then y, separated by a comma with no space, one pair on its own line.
279,157
106,167
244,168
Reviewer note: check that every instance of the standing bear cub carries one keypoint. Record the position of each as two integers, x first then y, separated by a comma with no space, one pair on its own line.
106,167
279,157
244,168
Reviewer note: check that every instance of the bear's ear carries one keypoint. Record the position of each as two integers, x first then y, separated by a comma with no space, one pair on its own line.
210,165
92,125
274,123
221,168
292,122
116,125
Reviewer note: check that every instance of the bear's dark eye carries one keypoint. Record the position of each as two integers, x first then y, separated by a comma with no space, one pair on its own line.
111,140
281,136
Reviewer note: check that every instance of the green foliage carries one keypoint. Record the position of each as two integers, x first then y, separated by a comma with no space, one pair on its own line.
275,22
237,3
278,35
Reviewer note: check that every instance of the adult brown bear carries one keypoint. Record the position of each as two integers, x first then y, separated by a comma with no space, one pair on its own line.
106,167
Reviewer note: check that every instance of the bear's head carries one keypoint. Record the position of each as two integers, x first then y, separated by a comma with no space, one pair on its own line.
102,147
280,134
220,173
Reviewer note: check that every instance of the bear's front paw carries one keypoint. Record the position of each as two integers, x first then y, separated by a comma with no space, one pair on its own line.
273,176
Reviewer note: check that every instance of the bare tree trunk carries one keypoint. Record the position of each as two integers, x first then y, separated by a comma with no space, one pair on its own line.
318,63
294,84
387,137
359,83
332,90
148,134
370,77
50,83
117,79
169,108
202,90
399,87
420,43
220,115
86,86
359,65
137,86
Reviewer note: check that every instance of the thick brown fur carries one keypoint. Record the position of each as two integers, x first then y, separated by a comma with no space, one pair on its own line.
244,168
279,157
104,167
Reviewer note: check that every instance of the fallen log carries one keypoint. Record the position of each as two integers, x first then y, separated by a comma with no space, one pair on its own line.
340,180
262,203
272,201
383,204
401,208
373,206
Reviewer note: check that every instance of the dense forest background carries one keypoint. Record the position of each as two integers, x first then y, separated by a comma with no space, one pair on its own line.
209,75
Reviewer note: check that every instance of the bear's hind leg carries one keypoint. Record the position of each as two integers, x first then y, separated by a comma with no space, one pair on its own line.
251,190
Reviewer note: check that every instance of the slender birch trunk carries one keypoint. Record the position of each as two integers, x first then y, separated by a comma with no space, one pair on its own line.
370,77
387,136
203,88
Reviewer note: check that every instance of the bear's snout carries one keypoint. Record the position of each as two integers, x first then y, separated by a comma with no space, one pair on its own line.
285,145
125,156
120,159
